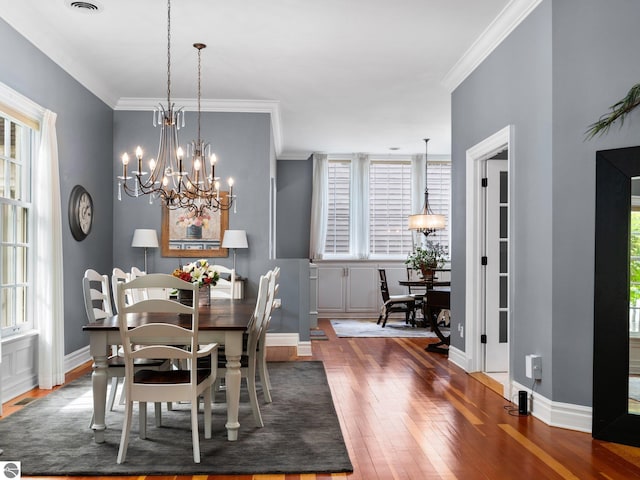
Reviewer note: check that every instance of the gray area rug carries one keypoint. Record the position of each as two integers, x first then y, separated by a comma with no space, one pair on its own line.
51,436
369,328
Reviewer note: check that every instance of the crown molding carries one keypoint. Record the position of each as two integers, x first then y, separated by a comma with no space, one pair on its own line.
507,20
272,107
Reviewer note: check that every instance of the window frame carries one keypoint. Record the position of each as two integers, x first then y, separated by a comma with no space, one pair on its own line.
29,141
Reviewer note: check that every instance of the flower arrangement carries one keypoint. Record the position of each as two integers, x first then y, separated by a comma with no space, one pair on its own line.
199,272
432,255
192,219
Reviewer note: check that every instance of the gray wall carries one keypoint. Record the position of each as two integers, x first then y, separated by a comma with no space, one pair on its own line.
552,77
294,208
84,127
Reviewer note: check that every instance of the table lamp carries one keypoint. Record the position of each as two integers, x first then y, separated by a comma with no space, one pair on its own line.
235,239
145,238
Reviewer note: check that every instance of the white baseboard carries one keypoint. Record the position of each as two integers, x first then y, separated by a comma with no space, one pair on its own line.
77,358
555,414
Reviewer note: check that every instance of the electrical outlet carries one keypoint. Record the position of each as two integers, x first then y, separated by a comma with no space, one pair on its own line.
533,367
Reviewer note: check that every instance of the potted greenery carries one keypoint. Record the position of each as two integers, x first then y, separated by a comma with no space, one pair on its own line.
427,258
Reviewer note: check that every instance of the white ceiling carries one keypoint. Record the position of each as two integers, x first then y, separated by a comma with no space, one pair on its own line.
338,75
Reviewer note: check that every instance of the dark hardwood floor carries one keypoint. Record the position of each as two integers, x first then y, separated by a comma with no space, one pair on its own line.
409,414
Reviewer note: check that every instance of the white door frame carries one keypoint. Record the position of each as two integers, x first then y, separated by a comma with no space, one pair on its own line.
473,295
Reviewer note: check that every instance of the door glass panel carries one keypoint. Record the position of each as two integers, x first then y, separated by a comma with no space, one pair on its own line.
503,256
503,328
504,187
504,213
5,306
503,292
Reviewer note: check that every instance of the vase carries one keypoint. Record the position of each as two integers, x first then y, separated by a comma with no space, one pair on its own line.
194,231
185,297
428,272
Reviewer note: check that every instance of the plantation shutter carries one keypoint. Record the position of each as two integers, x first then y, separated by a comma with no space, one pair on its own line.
389,207
339,197
439,185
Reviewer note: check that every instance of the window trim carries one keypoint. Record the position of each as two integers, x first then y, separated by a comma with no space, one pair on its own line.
23,111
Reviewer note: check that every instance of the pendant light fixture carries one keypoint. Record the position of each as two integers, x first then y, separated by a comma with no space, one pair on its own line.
426,221
176,184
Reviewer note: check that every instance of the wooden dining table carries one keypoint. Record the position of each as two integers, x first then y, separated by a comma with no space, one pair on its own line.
223,321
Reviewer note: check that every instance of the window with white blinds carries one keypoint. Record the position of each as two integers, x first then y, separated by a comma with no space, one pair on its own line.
388,197
338,199
389,207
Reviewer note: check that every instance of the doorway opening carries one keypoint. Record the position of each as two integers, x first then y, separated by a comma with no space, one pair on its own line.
488,255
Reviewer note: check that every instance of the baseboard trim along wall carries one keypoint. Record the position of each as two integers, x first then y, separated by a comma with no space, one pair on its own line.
555,414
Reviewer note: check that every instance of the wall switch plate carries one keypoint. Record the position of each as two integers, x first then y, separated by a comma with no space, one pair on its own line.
533,367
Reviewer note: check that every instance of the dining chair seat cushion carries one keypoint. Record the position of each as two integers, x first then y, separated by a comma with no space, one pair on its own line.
118,361
169,376
400,298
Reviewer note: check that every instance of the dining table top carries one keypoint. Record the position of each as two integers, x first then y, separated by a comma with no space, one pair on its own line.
220,314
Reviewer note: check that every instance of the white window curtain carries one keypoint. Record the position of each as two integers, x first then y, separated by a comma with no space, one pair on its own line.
319,195
48,279
418,166
360,206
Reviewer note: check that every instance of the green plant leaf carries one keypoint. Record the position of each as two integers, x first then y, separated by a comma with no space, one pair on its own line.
618,112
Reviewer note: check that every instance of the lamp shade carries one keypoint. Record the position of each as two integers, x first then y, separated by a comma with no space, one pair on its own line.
145,237
424,221
235,239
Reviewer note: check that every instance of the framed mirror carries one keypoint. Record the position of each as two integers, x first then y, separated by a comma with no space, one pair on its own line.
614,415
185,234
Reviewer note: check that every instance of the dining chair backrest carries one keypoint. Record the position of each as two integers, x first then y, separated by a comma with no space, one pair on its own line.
225,287
140,293
260,313
119,276
97,295
180,336
384,288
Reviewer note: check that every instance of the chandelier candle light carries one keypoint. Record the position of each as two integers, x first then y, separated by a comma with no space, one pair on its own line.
196,189
426,221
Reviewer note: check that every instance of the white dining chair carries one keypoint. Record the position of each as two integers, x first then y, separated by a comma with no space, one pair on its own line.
139,294
184,384
273,304
225,287
119,276
97,302
249,360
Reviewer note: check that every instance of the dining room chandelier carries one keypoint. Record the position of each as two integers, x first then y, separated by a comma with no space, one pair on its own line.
180,183
426,222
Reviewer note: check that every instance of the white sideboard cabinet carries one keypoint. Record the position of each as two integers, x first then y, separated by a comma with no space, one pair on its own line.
352,289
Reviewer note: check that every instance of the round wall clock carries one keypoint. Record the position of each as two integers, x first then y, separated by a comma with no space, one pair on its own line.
80,212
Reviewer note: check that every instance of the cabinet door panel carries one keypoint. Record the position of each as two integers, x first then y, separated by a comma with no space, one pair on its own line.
331,297
362,289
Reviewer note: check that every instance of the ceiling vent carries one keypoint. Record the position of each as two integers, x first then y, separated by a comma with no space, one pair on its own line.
84,7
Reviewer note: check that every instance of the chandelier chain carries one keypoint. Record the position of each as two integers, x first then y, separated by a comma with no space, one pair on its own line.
169,54
199,77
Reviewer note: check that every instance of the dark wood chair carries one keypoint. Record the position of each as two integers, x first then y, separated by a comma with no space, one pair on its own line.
395,303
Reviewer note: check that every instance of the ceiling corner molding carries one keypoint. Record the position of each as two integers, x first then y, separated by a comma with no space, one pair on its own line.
294,156
506,21
272,107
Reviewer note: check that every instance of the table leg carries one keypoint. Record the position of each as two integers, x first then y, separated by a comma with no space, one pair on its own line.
99,385
443,345
233,352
